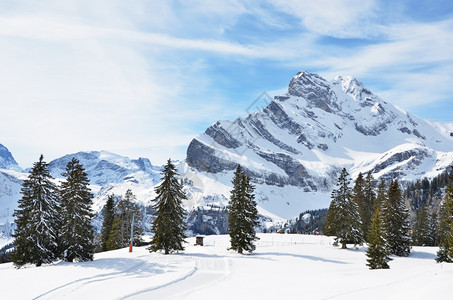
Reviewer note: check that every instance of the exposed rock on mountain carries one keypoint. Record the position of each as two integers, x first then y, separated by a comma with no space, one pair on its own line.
304,137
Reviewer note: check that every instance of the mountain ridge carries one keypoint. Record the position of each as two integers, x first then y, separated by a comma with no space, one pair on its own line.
293,149
304,137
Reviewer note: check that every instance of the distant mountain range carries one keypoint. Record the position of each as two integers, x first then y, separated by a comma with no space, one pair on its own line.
293,147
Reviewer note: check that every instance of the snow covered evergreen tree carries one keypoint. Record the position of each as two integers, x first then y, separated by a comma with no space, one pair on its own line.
126,210
243,214
346,218
37,218
396,219
107,224
445,253
169,225
377,252
77,233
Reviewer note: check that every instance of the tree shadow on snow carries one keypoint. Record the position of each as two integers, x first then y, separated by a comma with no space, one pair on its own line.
300,256
204,255
121,265
422,255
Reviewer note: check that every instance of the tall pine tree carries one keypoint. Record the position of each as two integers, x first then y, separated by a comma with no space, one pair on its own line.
169,225
77,233
243,214
368,204
107,224
381,195
363,197
378,256
396,219
330,226
423,233
37,218
346,218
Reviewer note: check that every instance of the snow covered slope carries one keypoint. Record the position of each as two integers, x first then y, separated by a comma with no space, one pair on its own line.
295,147
7,160
282,267
10,185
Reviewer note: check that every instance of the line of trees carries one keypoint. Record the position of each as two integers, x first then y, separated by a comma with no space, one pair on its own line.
364,214
445,231
54,222
119,213
169,218
379,216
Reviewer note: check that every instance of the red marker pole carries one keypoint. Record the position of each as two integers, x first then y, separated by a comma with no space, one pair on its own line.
132,233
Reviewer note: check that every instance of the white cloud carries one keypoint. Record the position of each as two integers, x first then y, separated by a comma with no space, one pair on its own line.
336,18
138,76
412,67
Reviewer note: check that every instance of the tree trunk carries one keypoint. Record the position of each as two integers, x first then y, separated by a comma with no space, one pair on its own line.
240,250
166,251
343,246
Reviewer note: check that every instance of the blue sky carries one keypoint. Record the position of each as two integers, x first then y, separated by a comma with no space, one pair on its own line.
142,78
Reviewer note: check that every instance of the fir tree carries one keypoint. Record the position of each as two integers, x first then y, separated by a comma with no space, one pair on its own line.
169,225
396,219
107,224
377,252
77,233
368,205
126,209
345,219
243,214
445,253
358,194
422,235
363,196
433,228
117,236
330,228
37,218
381,196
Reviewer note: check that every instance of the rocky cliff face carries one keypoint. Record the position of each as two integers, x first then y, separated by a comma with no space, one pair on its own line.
305,136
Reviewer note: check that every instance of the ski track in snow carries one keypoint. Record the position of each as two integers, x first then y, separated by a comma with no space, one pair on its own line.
282,267
70,287
210,269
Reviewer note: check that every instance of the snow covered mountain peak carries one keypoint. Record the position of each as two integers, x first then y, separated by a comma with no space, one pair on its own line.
304,137
7,160
356,89
104,167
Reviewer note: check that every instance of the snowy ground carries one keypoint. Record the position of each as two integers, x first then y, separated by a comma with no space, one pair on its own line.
283,266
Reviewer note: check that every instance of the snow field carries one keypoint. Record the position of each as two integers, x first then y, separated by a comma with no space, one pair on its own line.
283,266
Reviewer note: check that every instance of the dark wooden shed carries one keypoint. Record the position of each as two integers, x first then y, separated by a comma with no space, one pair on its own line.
199,240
